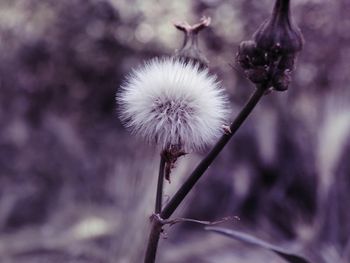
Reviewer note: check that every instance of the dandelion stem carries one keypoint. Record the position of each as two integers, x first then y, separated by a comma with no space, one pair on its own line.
197,173
159,195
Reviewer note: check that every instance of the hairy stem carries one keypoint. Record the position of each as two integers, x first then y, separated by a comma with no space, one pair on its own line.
197,173
159,195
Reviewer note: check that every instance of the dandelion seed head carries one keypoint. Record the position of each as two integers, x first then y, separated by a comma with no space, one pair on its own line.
173,103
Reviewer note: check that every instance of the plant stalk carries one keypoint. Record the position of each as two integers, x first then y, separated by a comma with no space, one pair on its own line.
153,240
156,227
159,195
197,173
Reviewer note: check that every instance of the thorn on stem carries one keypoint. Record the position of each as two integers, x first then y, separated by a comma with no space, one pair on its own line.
227,129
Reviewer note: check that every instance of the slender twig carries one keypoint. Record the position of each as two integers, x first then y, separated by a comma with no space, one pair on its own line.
156,225
196,175
175,221
159,195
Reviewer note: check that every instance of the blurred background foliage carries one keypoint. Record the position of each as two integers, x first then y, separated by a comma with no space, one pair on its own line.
76,187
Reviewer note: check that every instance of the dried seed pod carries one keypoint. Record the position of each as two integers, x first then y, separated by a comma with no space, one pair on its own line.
190,50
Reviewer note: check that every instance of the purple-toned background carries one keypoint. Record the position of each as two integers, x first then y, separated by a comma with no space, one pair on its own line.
75,186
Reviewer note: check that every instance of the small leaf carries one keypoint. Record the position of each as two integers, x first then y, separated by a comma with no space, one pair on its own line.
260,243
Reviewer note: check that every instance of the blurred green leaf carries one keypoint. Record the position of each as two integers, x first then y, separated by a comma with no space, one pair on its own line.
260,243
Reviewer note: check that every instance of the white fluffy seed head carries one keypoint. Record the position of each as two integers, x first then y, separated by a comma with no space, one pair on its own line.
173,103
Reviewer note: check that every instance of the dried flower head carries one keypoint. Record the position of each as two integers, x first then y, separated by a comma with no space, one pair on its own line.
190,49
173,103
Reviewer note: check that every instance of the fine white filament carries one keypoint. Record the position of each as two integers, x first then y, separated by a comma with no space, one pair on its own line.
173,103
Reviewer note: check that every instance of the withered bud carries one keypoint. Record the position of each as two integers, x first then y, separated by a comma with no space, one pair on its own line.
190,49
268,60
281,80
278,33
249,55
258,75
287,62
